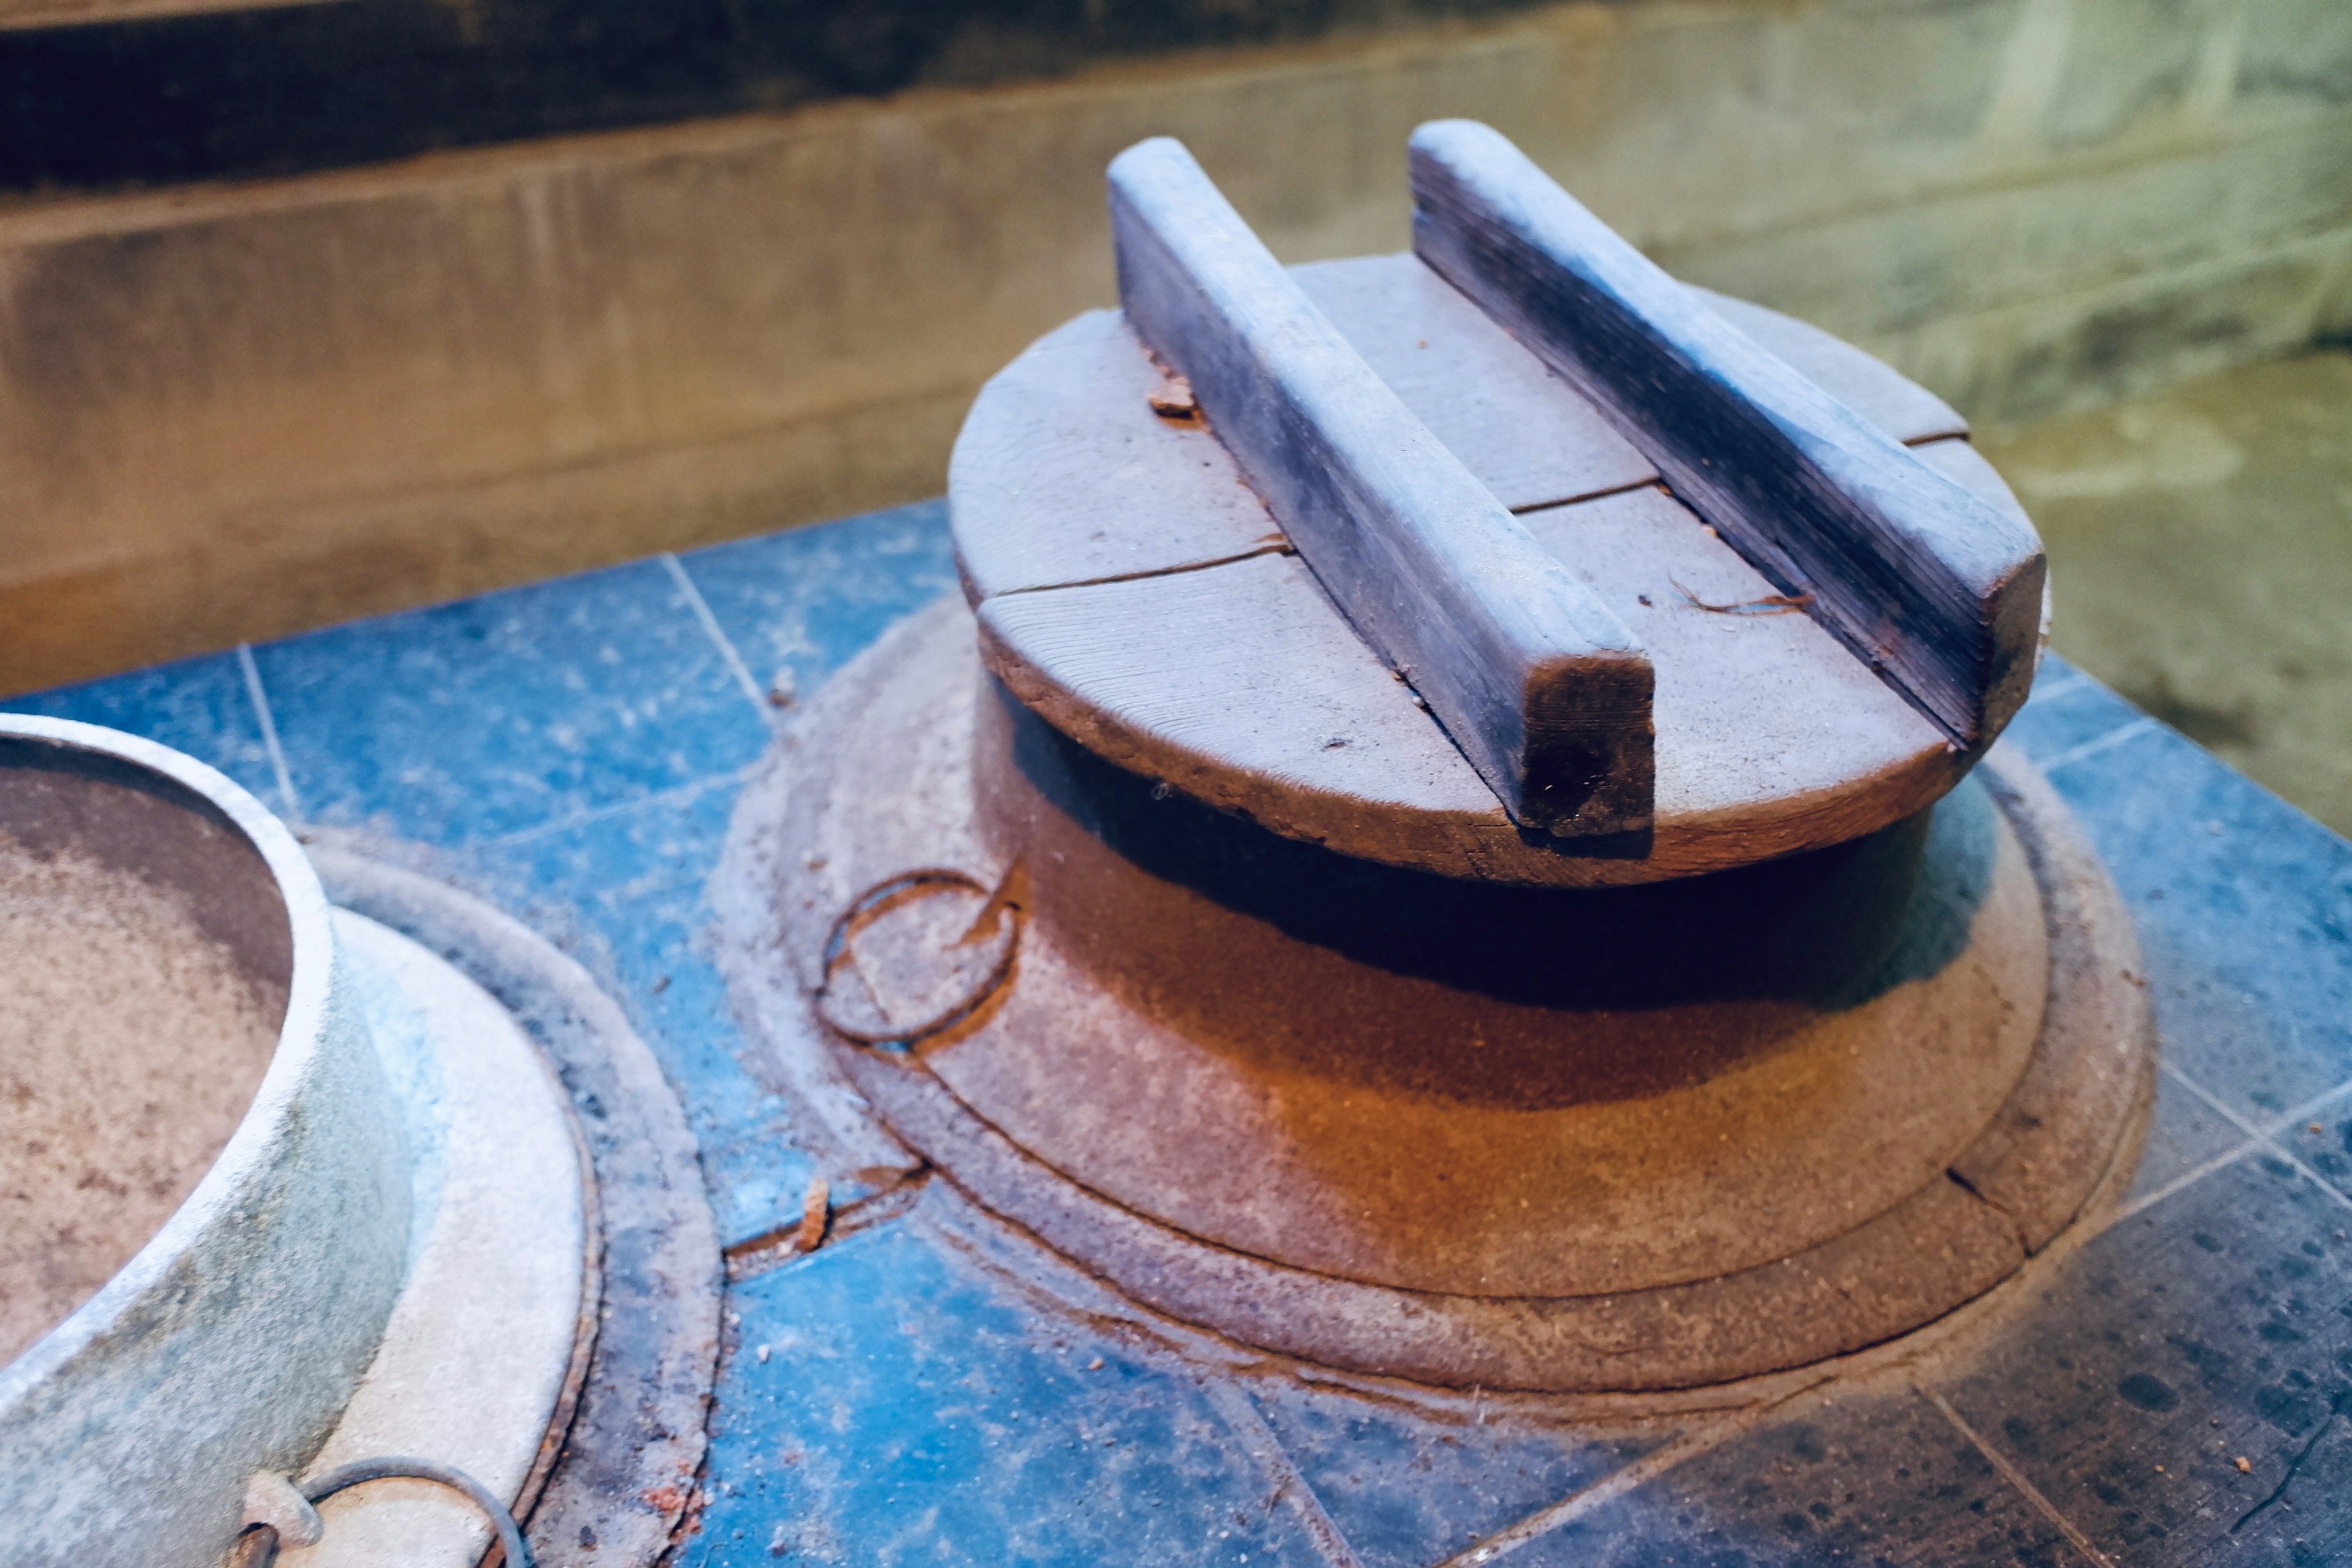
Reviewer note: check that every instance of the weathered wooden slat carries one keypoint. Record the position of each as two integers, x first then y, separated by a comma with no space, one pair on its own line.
1527,436
1543,689
1936,591
1901,408
1064,473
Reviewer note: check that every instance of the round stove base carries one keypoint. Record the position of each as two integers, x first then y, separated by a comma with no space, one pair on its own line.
484,1350
395,1251
617,1463
1810,1177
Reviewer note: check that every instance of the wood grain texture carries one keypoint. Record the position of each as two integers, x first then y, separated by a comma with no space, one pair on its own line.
1544,691
1242,686
1529,438
1771,737
1928,585
1063,474
1906,411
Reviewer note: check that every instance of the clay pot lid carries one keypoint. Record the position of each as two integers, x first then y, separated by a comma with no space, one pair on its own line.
1133,587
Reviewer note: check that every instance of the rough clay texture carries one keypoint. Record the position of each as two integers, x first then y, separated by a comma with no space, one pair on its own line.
794,848
478,1348
232,1353
634,1443
1584,1116
130,1045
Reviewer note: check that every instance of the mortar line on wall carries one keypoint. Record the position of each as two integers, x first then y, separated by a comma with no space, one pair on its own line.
1241,1415
2268,1143
718,637
2016,1478
259,696
2130,729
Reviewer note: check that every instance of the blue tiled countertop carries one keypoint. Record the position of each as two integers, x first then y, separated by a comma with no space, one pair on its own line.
571,751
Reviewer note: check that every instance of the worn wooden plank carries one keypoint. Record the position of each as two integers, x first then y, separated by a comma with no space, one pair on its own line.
1543,689
1528,436
1770,736
1063,473
1242,686
1900,407
1931,587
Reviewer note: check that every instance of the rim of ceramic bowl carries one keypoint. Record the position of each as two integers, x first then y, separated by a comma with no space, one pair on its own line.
302,1036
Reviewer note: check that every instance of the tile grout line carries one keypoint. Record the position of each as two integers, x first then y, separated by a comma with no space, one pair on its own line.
718,635
669,796
2181,1183
259,697
1619,1481
2128,730
1234,1405
2016,1478
2261,1138
2308,1109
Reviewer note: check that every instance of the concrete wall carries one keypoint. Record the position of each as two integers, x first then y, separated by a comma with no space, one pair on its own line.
232,412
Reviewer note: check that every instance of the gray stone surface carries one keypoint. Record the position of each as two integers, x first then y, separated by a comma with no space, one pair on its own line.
2200,554
402,384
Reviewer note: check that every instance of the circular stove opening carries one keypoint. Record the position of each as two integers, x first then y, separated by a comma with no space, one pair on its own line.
147,957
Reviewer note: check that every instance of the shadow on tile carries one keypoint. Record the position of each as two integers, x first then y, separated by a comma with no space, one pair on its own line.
1877,1478
2215,1325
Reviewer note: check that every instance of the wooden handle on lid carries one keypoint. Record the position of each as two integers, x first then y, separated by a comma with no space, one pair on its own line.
1938,593
1543,689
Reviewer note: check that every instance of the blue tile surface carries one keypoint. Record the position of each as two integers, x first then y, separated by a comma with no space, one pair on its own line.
2214,1326
1407,1489
573,751
1867,1479
911,1411
512,711
801,604
200,705
2186,1134
2071,715
2244,908
2323,1141
624,891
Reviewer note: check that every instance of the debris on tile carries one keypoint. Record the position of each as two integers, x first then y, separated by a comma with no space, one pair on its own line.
816,1208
